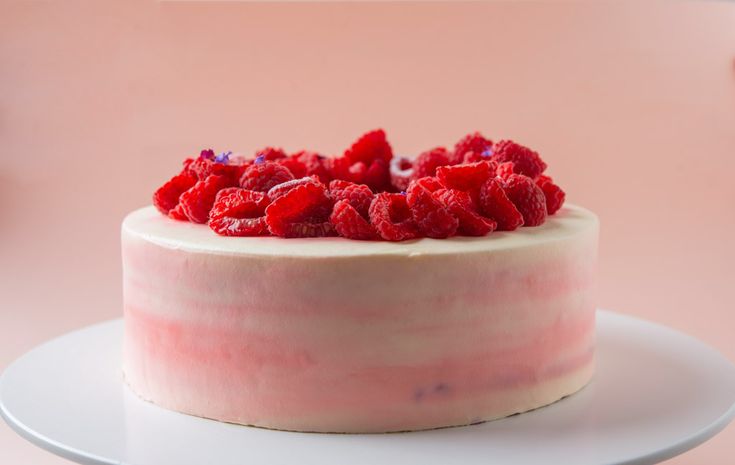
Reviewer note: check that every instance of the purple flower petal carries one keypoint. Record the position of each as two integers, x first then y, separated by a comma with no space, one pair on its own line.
223,157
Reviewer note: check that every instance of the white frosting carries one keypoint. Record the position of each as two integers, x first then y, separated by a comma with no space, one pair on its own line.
148,224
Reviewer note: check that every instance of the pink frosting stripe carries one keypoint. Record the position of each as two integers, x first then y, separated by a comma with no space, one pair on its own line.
197,357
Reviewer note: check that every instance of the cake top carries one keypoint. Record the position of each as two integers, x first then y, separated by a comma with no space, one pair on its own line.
149,225
367,193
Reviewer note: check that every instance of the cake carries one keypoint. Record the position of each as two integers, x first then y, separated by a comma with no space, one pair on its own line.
332,334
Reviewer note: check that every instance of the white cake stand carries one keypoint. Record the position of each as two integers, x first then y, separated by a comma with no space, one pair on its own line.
656,394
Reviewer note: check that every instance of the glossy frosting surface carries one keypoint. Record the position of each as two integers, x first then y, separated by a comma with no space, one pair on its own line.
339,335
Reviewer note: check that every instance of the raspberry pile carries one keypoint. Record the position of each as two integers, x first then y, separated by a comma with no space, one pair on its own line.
367,193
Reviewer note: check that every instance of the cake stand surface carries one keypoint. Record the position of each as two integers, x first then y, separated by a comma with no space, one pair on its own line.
656,394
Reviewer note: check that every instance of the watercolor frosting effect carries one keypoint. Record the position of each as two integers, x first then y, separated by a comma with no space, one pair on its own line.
334,335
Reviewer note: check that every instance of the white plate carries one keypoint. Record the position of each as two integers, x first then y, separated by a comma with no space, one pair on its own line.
656,394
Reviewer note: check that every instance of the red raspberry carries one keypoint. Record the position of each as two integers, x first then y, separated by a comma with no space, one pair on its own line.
358,195
315,164
553,193
301,212
262,176
310,228
197,201
505,169
472,157
377,175
496,205
474,142
223,192
465,177
401,171
336,186
167,196
178,213
427,163
187,163
431,216
270,154
525,160
429,183
239,212
392,218
281,189
297,169
237,167
460,205
370,146
343,168
349,223
202,168
528,198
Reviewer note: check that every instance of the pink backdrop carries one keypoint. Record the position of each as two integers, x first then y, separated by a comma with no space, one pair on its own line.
632,104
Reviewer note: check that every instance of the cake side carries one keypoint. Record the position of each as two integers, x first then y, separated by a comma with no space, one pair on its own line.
345,336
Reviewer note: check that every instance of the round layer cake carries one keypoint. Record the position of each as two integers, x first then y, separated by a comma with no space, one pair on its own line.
337,335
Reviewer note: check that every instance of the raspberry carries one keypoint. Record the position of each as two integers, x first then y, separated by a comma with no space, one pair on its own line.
167,196
262,176
460,205
203,167
225,191
336,186
197,201
370,146
528,198
349,223
178,213
401,171
270,154
229,226
297,169
474,142
553,193
358,195
505,169
301,212
465,177
427,163
315,165
392,218
525,160
429,183
472,157
496,205
199,168
377,175
343,168
431,216
239,212
187,162
280,189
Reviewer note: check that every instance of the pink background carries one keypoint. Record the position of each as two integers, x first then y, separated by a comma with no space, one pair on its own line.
632,105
